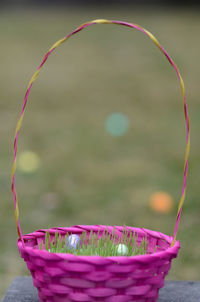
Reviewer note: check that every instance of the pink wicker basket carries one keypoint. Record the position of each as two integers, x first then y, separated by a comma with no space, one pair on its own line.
67,277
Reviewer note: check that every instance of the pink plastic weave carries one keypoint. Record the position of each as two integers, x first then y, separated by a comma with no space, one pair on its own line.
66,277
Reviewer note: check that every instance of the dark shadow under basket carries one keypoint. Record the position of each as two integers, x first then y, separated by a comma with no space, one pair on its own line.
67,277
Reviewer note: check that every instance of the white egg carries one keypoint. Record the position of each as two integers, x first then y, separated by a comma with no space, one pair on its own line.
122,249
73,241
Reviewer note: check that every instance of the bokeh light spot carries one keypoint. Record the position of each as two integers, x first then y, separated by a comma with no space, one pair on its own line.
117,124
161,202
28,162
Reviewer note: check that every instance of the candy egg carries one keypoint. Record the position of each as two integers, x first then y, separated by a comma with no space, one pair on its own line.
122,249
73,241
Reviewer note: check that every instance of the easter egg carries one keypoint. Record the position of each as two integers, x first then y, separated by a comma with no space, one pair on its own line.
122,249
73,241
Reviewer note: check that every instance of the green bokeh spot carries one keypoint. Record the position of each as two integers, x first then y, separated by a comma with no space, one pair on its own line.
117,124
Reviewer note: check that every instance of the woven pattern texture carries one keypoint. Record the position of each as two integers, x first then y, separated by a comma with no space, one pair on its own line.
67,277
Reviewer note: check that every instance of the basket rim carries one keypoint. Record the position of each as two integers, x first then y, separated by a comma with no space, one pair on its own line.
173,250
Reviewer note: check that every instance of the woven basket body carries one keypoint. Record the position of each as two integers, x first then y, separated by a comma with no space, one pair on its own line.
66,277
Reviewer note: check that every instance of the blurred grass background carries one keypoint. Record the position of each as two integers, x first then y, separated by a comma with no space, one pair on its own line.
86,176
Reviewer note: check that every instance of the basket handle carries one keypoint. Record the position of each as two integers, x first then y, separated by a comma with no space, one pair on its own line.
35,75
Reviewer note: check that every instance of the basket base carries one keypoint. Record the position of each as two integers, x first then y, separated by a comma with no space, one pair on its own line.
173,291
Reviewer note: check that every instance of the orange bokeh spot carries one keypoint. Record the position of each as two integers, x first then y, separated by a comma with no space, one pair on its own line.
161,202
